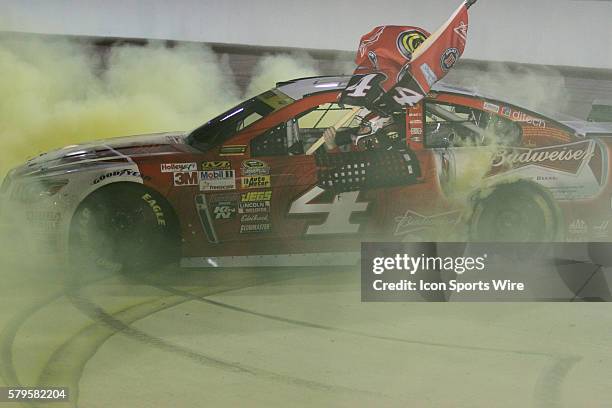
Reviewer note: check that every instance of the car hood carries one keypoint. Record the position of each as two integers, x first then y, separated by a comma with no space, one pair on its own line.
117,150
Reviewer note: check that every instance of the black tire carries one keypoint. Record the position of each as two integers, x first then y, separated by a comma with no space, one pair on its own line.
124,227
515,212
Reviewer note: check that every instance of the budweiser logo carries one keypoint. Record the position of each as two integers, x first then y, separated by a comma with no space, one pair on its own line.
567,158
412,221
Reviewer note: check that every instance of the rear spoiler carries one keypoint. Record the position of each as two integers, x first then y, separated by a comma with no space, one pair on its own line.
601,111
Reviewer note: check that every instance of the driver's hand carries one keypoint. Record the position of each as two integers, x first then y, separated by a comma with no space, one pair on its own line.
329,136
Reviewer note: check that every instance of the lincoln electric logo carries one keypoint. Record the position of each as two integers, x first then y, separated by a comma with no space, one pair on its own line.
567,158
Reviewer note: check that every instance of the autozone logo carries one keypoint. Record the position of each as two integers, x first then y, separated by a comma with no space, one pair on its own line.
256,182
566,158
256,196
178,167
186,179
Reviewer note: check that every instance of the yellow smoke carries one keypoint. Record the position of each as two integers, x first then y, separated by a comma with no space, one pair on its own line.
59,92
277,68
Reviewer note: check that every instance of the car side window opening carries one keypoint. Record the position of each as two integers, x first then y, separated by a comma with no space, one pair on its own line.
449,125
224,126
297,135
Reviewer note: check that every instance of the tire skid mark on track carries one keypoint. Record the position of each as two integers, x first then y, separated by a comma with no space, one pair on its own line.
547,392
8,334
7,339
68,361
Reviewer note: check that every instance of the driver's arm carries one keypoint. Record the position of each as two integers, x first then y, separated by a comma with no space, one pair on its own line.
334,138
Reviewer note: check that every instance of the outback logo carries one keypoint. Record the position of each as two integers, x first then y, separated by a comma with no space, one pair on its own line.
174,167
566,158
412,221
118,173
255,182
449,58
254,167
409,41
256,196
216,165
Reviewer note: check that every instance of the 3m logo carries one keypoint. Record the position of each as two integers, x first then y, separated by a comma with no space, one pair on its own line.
256,196
186,179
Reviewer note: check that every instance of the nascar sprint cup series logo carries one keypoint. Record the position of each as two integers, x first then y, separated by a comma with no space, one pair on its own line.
409,41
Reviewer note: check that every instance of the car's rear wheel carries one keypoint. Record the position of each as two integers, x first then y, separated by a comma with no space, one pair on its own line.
515,212
125,227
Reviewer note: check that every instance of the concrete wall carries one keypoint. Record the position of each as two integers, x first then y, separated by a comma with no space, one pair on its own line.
553,32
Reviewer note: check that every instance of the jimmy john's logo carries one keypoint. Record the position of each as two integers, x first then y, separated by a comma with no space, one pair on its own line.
178,167
255,182
216,165
449,58
254,167
567,158
409,41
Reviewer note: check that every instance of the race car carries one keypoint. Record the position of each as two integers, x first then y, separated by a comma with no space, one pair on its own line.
255,186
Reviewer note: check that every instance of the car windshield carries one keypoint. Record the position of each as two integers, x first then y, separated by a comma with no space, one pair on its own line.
239,117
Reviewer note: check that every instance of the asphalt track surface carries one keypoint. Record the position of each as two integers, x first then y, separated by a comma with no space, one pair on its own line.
290,337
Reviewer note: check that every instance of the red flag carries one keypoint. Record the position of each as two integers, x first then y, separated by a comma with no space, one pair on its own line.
386,49
432,60
398,65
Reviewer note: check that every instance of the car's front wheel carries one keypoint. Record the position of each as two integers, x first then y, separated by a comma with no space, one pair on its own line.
125,227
